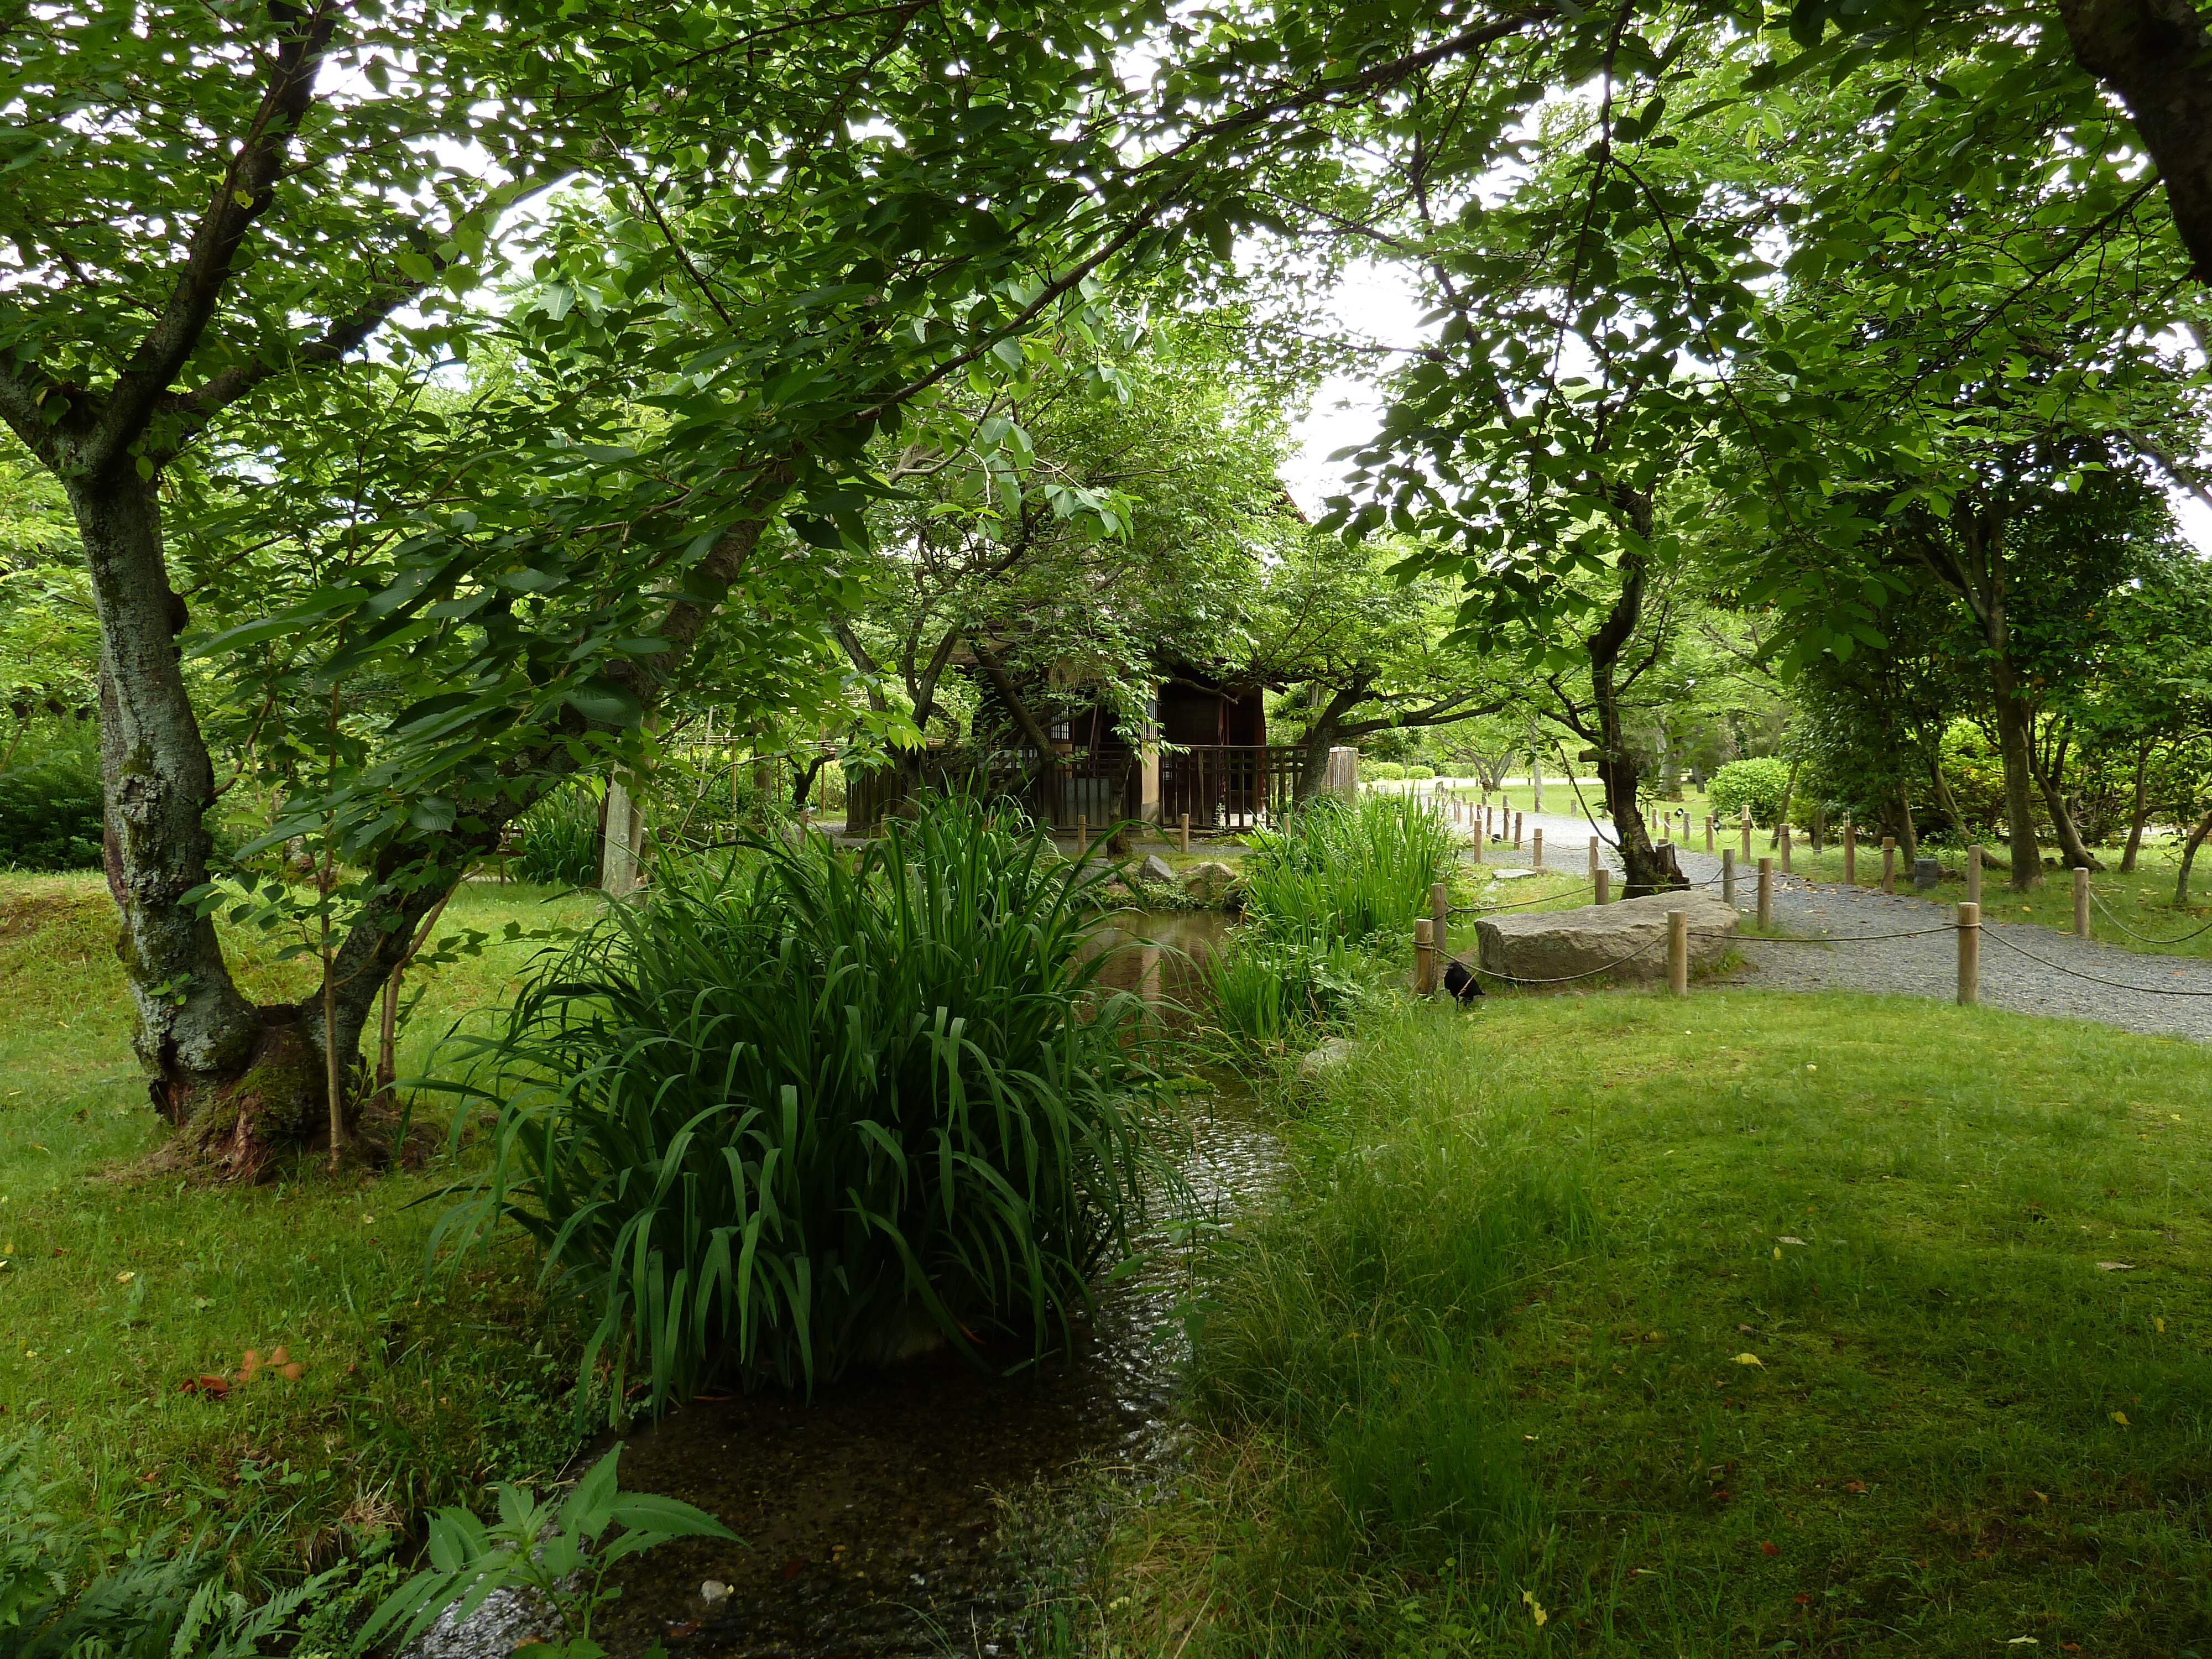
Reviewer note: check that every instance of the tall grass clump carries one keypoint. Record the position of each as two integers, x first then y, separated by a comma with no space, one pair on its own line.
806,1109
1347,870
1327,896
560,843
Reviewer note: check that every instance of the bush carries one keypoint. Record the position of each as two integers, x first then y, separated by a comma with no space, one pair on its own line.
1416,769
50,803
1335,869
1758,784
798,1112
560,839
1381,771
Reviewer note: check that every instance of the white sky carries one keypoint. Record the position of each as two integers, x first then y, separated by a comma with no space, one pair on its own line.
1377,304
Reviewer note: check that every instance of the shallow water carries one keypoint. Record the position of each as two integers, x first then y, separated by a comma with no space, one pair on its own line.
870,1514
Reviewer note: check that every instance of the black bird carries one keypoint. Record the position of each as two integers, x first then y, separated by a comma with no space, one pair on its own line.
1459,981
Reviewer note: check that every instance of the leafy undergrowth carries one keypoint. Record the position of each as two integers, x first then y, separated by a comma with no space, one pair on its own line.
1756,1324
120,1295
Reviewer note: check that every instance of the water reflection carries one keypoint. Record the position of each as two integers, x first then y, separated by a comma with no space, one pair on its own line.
1156,953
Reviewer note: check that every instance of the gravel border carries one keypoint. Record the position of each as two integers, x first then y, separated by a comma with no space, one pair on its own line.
1926,966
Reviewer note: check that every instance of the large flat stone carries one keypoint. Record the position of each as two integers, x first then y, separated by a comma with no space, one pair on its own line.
1558,944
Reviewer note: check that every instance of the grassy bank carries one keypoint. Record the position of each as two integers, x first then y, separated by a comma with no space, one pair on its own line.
1582,1332
119,1292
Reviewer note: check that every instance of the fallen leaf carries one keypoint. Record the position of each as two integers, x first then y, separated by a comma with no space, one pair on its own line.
1536,1607
2121,1418
2039,1497
1801,1599
1751,1359
280,1355
2017,1640
2114,1266
216,1386
1770,1548
1785,1239
124,1278
1853,1485
1777,1252
2160,1324
294,1371
689,1627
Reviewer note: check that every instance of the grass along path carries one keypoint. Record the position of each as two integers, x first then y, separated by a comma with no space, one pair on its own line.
117,1292
1748,1325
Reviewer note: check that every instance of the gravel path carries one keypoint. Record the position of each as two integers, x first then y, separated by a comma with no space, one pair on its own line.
1927,965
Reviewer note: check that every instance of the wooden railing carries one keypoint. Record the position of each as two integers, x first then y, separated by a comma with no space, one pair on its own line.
1229,785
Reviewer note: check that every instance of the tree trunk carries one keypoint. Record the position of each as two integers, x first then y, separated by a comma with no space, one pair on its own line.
2063,830
1782,816
2189,857
1535,780
2153,54
2139,813
1908,836
1946,802
1645,868
2017,745
1323,735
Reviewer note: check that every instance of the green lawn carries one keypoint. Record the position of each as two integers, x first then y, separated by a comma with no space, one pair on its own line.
1785,1332
118,1291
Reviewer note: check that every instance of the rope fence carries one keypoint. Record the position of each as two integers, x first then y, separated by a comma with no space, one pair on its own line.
2146,938
1430,956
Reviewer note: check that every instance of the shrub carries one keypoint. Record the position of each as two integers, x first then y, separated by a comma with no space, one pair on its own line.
1335,869
1416,769
50,803
560,839
1758,784
795,1111
1381,771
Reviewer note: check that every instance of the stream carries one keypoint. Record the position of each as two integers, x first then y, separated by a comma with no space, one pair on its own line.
871,1513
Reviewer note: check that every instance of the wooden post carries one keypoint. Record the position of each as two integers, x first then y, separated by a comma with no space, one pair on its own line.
1974,876
1710,821
1082,835
1678,952
1185,831
1517,819
1747,835
1727,874
2081,903
1424,957
1785,849
1481,835
1765,894
1889,864
1970,954
1850,853
1603,881
1595,861
1440,925
1536,847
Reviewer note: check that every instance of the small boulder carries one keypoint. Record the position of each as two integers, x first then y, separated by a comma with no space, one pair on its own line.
1926,872
1156,868
1319,1062
1209,883
1624,942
